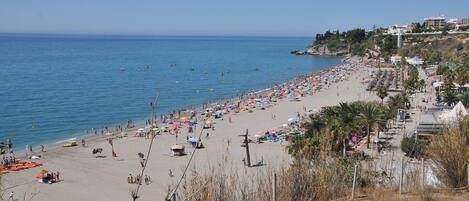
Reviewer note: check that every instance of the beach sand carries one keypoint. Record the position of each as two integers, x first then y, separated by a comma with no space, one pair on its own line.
86,178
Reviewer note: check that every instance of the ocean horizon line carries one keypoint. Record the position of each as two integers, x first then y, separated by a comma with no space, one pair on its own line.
148,35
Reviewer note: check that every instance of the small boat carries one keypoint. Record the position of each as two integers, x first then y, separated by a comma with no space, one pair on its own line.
70,144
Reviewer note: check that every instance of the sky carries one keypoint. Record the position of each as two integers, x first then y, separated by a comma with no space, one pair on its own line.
216,17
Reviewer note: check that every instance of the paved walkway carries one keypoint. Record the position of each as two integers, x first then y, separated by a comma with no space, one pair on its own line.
389,159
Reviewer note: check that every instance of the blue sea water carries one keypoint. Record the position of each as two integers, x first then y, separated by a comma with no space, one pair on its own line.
54,87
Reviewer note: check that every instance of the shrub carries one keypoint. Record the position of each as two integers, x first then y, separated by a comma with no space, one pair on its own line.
450,154
412,147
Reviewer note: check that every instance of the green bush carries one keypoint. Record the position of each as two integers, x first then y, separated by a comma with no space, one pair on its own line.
412,147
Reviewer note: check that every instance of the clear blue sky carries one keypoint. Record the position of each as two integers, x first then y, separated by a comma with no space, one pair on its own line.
215,17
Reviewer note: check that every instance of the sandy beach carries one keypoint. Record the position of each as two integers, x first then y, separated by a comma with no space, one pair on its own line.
86,178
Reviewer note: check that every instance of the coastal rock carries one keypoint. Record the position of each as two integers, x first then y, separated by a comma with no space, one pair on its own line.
323,50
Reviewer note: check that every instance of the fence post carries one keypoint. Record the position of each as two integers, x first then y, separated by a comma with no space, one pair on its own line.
422,167
274,187
354,181
401,177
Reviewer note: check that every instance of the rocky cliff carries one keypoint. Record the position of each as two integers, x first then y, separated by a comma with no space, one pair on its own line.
324,49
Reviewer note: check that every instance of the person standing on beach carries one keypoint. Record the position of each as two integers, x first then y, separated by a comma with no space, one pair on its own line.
27,150
9,144
42,148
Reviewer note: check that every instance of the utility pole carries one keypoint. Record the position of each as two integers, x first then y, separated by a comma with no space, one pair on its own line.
354,179
401,177
246,143
152,113
274,187
422,167
153,105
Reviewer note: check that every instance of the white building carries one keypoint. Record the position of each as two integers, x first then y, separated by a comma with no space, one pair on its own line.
396,59
416,61
395,29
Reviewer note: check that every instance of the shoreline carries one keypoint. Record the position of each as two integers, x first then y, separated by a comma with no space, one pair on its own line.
53,144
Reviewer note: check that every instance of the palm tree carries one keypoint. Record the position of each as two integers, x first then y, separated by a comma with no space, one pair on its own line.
450,97
370,117
382,92
347,119
335,131
385,115
449,77
340,121
461,76
421,84
398,101
316,124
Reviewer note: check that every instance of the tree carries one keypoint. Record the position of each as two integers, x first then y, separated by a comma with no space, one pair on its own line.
316,124
448,79
421,85
450,96
355,36
329,130
398,101
417,28
461,76
370,117
382,92
449,154
412,147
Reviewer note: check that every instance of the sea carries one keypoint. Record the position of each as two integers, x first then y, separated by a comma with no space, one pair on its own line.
57,87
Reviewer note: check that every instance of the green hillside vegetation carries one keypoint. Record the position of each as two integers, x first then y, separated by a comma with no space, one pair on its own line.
451,50
359,42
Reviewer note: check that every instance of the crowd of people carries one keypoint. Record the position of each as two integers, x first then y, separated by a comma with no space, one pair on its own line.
300,86
8,160
138,179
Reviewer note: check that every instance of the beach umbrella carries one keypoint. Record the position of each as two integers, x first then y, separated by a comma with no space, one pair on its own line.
193,139
258,136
